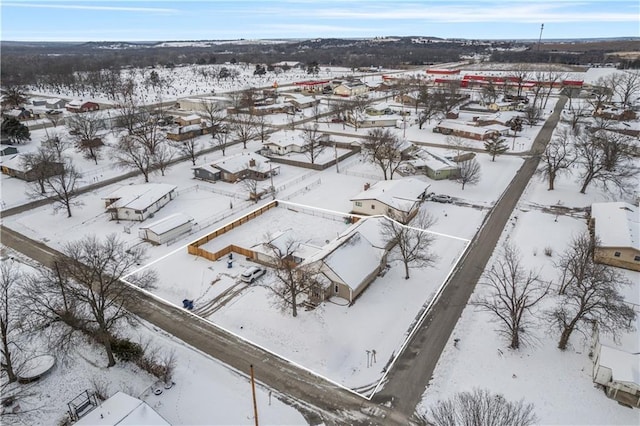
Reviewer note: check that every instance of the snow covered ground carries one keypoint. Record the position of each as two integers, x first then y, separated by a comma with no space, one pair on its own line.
205,391
558,383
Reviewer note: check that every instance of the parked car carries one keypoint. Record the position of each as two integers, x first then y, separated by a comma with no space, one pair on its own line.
252,273
441,198
337,120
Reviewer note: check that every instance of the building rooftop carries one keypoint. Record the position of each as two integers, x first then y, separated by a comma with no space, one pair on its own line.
617,224
138,197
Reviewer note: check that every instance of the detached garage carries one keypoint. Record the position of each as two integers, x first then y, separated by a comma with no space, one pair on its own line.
163,230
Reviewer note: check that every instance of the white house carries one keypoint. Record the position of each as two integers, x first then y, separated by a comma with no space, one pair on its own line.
616,227
351,88
122,409
138,202
282,143
398,198
363,245
164,230
435,166
616,365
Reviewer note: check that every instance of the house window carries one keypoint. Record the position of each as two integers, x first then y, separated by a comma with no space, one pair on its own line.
336,288
373,206
358,203
616,254
138,211
637,258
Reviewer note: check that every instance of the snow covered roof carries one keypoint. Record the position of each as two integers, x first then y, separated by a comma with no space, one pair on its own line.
286,138
617,224
424,158
401,194
240,162
17,162
138,197
167,224
122,409
355,250
184,129
190,117
625,367
464,127
287,242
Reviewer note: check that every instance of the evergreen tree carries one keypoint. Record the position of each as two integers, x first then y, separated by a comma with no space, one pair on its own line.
495,146
15,130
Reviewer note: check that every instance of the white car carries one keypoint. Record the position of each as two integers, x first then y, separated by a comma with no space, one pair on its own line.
441,198
252,273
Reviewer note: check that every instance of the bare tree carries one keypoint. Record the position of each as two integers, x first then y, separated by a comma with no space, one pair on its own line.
626,86
383,148
221,141
10,318
215,113
292,279
470,172
128,153
532,115
243,129
189,147
43,163
557,158
62,188
591,294
489,93
605,158
56,145
413,241
163,156
251,183
495,146
262,127
512,294
480,407
313,142
338,110
84,129
90,272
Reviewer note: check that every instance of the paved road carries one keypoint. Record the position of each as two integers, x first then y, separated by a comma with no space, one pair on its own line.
318,399
415,366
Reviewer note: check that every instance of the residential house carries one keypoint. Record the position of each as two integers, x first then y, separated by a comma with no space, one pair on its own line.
237,167
188,120
350,88
616,364
300,101
282,143
399,198
362,244
199,104
79,106
469,131
181,133
21,114
38,102
616,229
433,165
18,167
502,106
55,103
122,409
166,229
139,202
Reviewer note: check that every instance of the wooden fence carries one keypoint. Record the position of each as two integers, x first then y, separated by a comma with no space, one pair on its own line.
195,249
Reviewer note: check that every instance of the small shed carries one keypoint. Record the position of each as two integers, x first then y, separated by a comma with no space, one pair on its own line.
122,409
164,230
55,103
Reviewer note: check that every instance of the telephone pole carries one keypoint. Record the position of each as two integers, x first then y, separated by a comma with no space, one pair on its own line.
540,38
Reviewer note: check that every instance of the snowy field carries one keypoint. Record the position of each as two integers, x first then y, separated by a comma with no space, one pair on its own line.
558,383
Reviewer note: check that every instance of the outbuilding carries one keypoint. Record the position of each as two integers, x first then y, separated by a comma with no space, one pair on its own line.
167,229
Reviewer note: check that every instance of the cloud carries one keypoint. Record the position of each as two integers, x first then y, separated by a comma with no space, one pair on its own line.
477,11
91,7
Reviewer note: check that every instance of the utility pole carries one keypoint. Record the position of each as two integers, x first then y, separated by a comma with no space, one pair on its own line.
540,38
253,391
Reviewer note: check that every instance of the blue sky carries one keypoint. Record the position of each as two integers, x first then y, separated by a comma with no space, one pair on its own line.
79,20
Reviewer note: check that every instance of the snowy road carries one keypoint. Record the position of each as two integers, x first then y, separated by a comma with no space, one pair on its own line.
414,368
